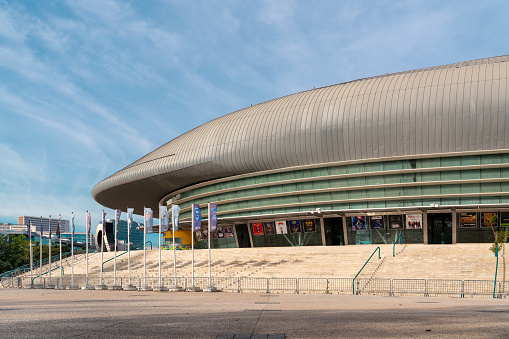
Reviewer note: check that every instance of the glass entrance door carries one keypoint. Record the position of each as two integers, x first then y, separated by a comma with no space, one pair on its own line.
333,231
242,233
440,228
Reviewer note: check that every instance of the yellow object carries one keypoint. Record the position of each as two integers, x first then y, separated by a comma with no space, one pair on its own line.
184,235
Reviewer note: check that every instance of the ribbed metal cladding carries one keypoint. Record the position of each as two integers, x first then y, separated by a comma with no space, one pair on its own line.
453,108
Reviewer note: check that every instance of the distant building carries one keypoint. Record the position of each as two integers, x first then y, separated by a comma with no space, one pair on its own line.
34,221
79,237
136,237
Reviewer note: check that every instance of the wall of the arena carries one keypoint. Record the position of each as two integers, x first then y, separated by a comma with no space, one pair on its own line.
453,180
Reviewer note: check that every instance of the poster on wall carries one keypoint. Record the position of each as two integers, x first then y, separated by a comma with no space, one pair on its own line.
486,219
395,222
358,223
257,228
199,235
309,225
220,232
228,233
376,222
294,226
269,227
413,221
504,219
281,227
468,220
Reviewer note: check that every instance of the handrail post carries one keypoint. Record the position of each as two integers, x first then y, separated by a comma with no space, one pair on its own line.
400,237
496,269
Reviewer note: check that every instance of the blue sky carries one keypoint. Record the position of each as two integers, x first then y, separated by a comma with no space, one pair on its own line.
88,87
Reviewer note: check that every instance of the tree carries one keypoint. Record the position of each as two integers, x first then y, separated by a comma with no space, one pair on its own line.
14,252
499,235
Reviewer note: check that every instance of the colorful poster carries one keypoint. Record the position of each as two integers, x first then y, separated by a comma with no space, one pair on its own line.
376,222
309,225
281,227
269,227
468,219
486,219
413,221
257,228
358,223
199,235
294,226
228,233
504,219
395,222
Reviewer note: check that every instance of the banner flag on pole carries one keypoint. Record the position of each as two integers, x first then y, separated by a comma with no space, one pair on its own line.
117,219
89,223
40,226
164,218
149,220
196,218
72,224
49,226
58,227
129,219
175,211
28,229
213,217
103,221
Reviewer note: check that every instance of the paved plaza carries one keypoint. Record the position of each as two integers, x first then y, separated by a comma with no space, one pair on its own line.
26,313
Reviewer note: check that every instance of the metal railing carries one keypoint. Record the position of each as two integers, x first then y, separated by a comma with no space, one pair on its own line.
353,281
400,237
389,287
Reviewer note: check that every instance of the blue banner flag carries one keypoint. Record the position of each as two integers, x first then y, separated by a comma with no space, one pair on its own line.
117,219
89,223
175,211
103,222
149,221
49,227
72,224
59,225
196,217
129,219
213,217
164,218
40,226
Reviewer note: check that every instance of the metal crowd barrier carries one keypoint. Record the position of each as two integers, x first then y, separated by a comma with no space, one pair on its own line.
391,287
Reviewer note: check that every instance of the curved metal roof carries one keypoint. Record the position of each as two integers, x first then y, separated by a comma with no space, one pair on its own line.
453,108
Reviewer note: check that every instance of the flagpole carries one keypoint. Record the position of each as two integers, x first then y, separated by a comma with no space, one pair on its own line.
40,252
86,240
59,233
160,226
129,245
174,250
49,249
31,254
192,244
72,250
144,248
208,240
102,247
115,252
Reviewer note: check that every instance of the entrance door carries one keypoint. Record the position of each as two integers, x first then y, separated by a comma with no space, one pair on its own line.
242,236
334,231
440,228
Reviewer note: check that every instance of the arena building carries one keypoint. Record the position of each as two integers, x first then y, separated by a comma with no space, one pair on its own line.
422,153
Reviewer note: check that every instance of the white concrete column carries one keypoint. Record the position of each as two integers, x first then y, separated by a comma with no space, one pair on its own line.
249,226
454,214
425,227
322,228
235,232
345,233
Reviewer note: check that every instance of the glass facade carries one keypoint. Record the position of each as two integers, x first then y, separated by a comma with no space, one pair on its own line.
473,179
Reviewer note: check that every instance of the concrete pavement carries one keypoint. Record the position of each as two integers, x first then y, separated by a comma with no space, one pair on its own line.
26,313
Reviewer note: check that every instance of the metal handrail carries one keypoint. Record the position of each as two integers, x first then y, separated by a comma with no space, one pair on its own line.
40,275
353,281
36,263
393,246
496,269
102,266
